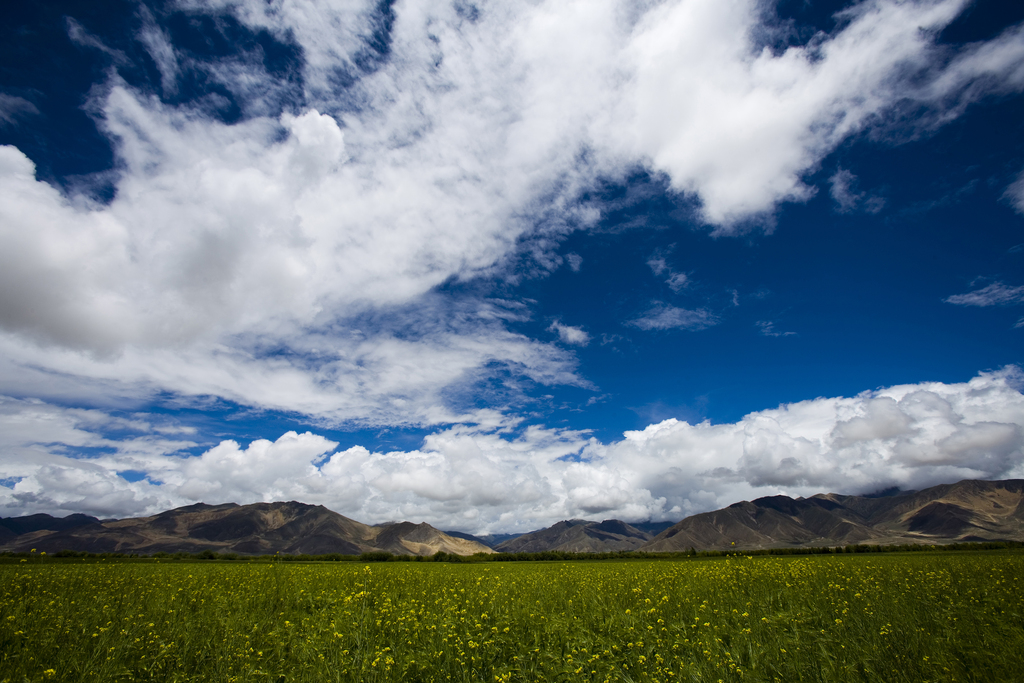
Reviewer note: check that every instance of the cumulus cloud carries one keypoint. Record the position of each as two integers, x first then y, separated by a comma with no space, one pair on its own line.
666,317
570,335
995,294
242,259
486,479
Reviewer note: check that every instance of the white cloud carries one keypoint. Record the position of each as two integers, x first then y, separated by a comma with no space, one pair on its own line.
767,328
657,264
81,37
158,45
570,335
242,260
397,367
981,69
841,183
843,191
1015,193
995,294
13,108
41,446
675,281
738,125
485,479
666,317
331,34
263,471
575,262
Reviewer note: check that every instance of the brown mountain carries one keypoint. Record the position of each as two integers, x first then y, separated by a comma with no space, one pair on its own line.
578,536
966,511
258,529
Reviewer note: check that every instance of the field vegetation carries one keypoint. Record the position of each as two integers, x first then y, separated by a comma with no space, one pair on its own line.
880,617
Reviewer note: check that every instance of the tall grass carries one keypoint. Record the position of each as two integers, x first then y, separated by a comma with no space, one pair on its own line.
934,617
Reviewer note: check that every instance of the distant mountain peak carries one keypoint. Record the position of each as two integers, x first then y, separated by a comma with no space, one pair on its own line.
580,536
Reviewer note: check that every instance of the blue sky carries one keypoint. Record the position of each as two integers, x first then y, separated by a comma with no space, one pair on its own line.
491,266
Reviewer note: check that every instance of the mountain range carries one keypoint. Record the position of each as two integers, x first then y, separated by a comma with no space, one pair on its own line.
965,511
258,529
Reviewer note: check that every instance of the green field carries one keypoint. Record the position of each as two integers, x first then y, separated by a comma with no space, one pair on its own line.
899,617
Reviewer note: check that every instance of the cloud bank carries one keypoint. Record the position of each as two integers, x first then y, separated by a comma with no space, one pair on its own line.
494,480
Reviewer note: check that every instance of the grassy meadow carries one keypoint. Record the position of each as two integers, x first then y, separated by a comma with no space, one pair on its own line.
899,617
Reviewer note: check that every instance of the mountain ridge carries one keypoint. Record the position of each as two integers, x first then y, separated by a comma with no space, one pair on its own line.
969,510
255,529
